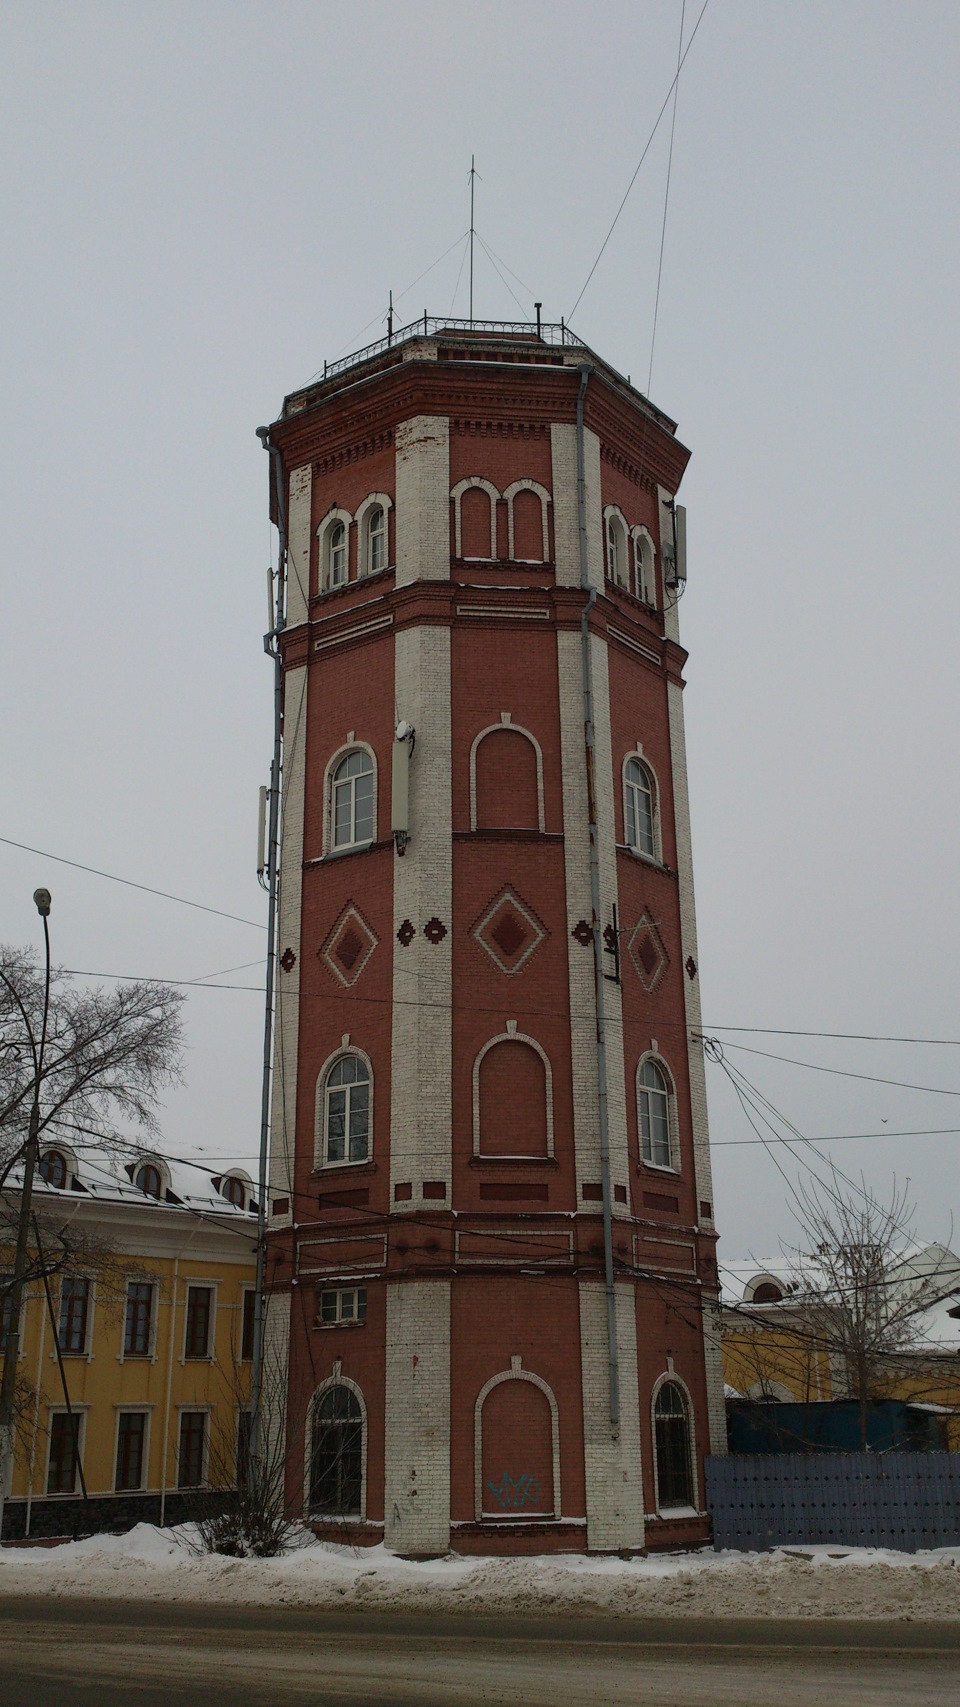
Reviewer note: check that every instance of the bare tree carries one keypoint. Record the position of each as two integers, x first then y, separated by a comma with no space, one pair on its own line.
858,1294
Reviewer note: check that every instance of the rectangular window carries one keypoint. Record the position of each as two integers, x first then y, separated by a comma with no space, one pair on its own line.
343,1306
64,1453
6,1308
246,1331
199,1312
193,1440
138,1319
244,1420
131,1442
74,1314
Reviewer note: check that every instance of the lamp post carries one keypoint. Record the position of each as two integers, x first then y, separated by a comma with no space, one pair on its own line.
31,1153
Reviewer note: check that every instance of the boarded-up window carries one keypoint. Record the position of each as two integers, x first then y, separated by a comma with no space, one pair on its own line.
476,523
507,792
517,1452
527,527
513,1101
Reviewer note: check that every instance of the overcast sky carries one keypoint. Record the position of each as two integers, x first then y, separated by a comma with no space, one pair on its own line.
202,202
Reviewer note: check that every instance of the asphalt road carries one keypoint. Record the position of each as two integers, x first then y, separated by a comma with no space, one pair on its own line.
74,1653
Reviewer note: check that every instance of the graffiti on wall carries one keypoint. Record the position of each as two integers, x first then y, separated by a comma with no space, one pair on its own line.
520,1493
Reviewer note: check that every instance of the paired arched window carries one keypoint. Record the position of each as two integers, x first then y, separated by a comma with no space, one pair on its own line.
618,567
475,519
655,1113
353,800
373,547
643,564
335,1473
53,1168
640,810
673,1447
528,527
344,1111
334,532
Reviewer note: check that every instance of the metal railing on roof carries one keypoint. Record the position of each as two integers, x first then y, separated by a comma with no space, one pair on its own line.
431,326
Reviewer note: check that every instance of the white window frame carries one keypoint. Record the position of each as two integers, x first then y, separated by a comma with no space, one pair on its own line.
79,1411
340,1293
673,1131
7,1274
456,496
332,518
320,1162
644,566
615,525
132,1410
637,757
363,518
668,1513
332,849
210,1356
243,1180
70,1164
204,1481
150,1355
545,499
87,1351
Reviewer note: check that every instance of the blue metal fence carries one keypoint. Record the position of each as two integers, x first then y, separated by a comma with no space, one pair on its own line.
904,1500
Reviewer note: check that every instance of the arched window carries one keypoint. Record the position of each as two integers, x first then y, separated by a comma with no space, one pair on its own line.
345,1112
767,1293
639,809
653,1100
513,1097
672,1442
234,1190
475,519
53,1169
516,1447
148,1179
337,556
375,553
645,581
618,569
352,800
507,788
528,528
336,1454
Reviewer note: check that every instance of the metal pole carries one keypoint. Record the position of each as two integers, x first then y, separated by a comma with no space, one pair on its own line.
271,646
473,174
20,1262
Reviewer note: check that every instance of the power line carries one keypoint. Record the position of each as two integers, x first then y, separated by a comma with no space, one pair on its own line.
128,883
642,158
846,1036
844,1072
845,1137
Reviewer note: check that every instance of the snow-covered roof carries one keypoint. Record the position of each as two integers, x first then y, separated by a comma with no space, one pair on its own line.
107,1176
933,1270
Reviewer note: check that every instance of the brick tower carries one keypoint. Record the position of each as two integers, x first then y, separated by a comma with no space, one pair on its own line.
491,1246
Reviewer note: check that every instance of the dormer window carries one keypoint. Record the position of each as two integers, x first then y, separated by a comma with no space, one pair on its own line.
234,1190
148,1179
53,1169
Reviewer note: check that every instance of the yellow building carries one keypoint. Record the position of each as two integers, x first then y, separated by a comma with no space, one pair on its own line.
134,1362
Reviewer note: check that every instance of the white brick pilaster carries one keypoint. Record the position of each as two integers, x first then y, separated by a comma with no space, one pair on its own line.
612,1463
298,545
423,499
417,1455
566,523
283,1109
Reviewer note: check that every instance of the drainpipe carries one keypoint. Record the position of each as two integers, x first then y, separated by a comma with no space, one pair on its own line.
590,745
271,645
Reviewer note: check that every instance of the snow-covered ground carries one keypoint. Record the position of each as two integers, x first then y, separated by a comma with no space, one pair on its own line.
792,1582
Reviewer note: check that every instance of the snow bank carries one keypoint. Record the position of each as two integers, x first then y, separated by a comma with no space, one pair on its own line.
792,1582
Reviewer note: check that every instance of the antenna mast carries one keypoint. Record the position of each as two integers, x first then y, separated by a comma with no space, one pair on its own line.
473,174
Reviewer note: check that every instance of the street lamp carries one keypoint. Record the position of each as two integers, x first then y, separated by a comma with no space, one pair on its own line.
31,1153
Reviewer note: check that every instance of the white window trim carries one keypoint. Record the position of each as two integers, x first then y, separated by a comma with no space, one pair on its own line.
456,497
342,1321
642,541
613,514
375,499
150,1355
545,499
61,1411
25,1298
516,1372
244,1179
132,1409
204,1481
320,1165
149,1160
329,850
336,1380
211,1354
512,1035
638,756
672,1511
70,1160
673,1124
506,722
87,1351
323,555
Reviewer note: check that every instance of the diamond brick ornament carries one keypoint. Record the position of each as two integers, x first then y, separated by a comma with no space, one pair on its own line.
509,931
647,952
349,946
